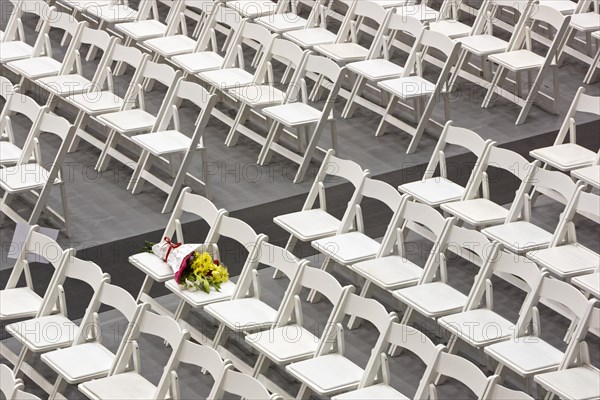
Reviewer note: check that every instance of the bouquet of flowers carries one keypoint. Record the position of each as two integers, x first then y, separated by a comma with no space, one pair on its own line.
195,266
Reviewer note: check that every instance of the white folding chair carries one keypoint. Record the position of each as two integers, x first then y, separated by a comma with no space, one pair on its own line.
290,340
584,20
119,11
348,247
171,43
436,190
11,387
346,48
41,62
461,370
568,155
148,26
167,144
19,302
330,372
517,233
102,97
155,268
284,19
90,357
131,120
565,7
485,40
205,56
565,257
305,118
380,68
391,269
476,207
316,31
520,58
33,334
71,79
17,103
526,353
418,9
246,311
448,23
246,241
576,378
589,76
26,177
14,15
479,324
13,45
406,338
312,223
413,87
266,92
433,296
123,383
244,386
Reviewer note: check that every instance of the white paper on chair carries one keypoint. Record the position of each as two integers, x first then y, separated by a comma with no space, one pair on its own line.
178,254
18,241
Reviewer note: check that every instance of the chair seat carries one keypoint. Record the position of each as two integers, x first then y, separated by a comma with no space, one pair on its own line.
65,85
15,50
243,314
380,391
581,383
200,299
348,248
483,44
520,236
129,385
22,177
252,8
565,157
376,70
433,191
308,38
433,299
80,363
391,272
35,68
327,374
81,5
451,28
279,23
528,355
419,11
44,333
566,261
589,283
19,303
113,14
142,30
128,121
564,6
479,327
589,175
258,95
586,22
165,142
408,87
198,62
285,344
293,114
95,103
309,224
171,45
152,265
227,78
9,153
343,52
518,60
477,212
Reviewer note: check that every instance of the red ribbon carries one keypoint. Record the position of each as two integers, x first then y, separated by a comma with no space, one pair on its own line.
171,247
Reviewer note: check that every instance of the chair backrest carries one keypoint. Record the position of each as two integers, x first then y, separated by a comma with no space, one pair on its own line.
489,16
460,369
57,126
20,104
405,23
9,384
546,15
360,10
205,357
129,56
283,51
241,385
22,395
584,203
497,391
581,103
250,31
237,230
223,16
194,204
62,22
14,27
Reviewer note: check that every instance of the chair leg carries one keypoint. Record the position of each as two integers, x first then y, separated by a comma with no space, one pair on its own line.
145,289
104,158
314,296
261,366
291,243
80,124
303,393
531,97
463,59
383,124
589,76
395,351
65,207
334,136
137,182
240,118
273,136
366,292
501,73
357,90
219,336
412,147
59,386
